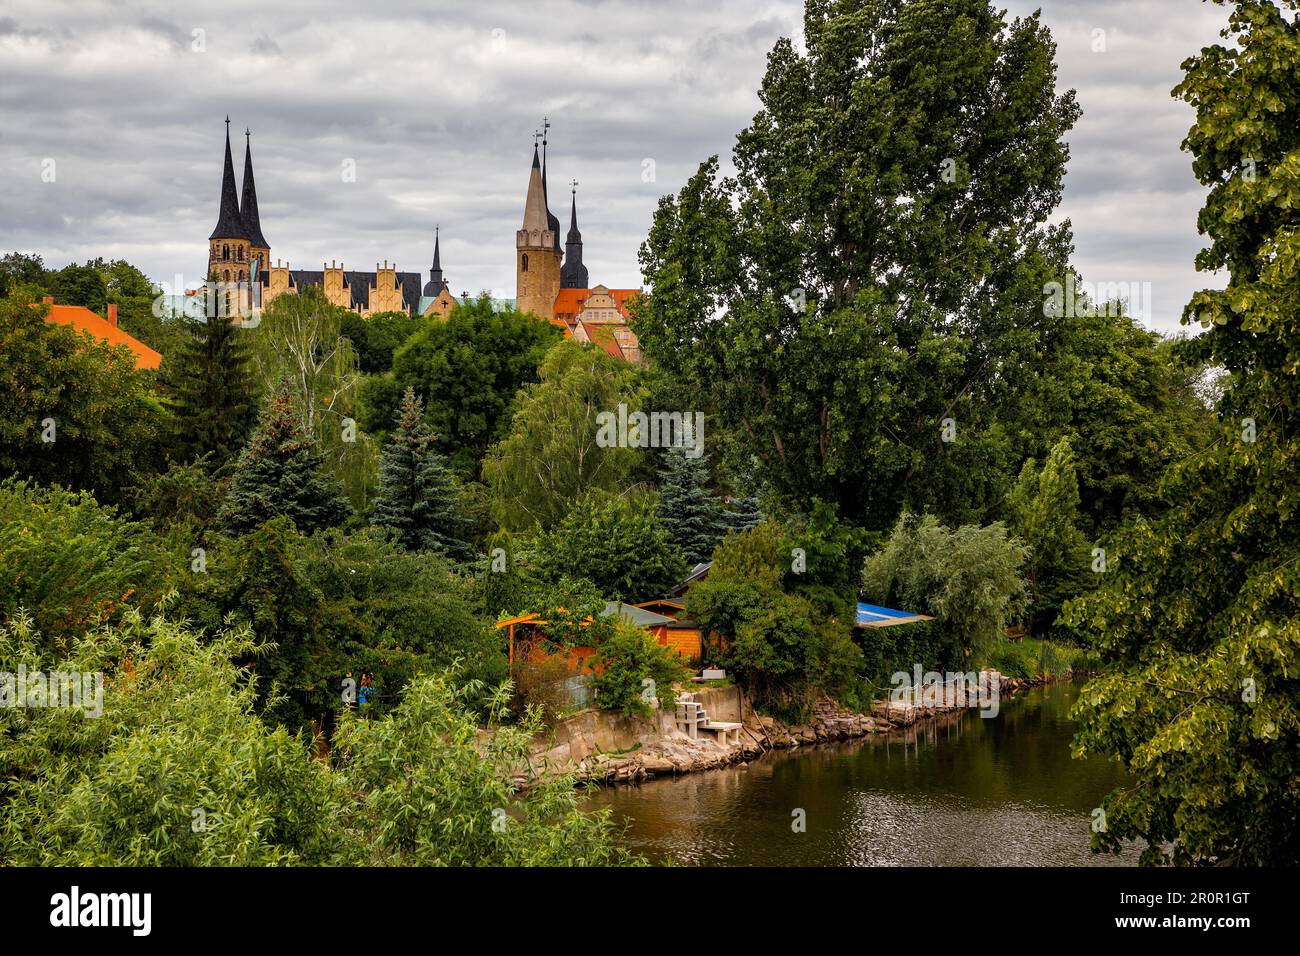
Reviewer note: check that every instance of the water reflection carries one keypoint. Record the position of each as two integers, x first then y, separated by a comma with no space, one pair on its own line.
1002,791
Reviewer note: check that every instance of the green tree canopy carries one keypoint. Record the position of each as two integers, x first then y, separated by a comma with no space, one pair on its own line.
73,410
970,578
1043,511
1196,617
281,472
618,543
851,287
694,518
552,456
467,369
418,497
214,402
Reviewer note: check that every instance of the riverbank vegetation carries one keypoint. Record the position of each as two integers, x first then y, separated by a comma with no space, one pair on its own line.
287,550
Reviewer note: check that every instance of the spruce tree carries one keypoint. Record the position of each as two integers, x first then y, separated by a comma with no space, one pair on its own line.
743,512
280,472
418,498
693,517
214,406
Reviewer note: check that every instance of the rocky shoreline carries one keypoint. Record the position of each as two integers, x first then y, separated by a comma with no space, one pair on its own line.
674,753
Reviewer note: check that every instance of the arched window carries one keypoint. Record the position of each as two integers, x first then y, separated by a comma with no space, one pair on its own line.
239,253
226,275
225,252
243,276
525,263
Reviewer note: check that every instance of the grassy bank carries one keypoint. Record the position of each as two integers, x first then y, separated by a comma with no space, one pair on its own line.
1031,658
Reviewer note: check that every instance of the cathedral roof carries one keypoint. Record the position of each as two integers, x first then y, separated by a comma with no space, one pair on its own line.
230,225
248,207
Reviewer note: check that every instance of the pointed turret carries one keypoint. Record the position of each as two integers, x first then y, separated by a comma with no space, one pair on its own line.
536,215
436,283
552,222
230,225
248,206
574,273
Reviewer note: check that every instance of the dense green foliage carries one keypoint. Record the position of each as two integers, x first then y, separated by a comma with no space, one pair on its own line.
281,472
376,338
1196,618
334,605
68,564
1043,512
72,410
862,305
299,343
633,669
180,771
214,404
780,645
694,518
552,456
617,543
418,498
970,579
467,369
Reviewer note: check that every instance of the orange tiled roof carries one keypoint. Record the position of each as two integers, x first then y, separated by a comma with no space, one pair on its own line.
603,335
570,301
84,320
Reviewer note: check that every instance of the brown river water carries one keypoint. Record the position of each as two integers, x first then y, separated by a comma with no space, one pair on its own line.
1000,791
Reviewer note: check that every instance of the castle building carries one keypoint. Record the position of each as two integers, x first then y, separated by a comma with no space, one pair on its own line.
239,260
551,281
558,290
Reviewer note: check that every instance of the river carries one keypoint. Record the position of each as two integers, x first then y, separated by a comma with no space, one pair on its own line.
1002,791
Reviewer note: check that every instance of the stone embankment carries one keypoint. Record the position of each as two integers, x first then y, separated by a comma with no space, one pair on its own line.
613,748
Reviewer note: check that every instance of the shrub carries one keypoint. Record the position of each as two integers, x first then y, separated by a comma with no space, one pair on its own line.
625,661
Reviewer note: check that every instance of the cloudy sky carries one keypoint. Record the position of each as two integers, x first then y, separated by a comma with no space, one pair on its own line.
434,103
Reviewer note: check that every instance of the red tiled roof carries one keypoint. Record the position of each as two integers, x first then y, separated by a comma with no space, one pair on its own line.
570,302
603,335
84,320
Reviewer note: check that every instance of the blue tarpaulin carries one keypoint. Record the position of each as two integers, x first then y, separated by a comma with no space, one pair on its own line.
869,615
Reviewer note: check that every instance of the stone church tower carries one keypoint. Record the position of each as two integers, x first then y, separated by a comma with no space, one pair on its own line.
537,251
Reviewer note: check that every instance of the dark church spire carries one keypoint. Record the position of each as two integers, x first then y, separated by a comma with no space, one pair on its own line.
574,273
436,283
552,222
230,225
248,207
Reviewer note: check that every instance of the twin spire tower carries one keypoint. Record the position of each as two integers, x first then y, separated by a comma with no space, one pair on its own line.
237,241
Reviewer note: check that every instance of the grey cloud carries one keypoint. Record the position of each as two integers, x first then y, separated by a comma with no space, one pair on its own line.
436,103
